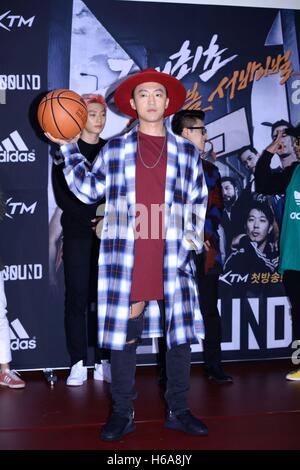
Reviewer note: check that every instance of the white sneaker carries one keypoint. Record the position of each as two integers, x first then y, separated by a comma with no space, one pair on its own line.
102,371
78,375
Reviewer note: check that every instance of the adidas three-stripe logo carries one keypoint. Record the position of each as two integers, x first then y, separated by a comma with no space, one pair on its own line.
14,150
14,142
297,197
19,337
17,330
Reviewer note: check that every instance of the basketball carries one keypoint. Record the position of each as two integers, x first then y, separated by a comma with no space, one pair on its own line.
62,113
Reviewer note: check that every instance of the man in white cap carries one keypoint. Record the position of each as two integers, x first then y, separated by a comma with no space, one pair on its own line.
154,218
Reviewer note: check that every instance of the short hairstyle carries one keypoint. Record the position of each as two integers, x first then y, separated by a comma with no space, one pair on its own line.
247,147
93,98
262,207
186,118
231,180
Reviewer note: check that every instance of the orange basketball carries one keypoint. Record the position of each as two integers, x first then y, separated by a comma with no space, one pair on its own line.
62,113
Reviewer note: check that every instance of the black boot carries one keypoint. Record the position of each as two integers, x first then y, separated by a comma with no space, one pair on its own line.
184,421
116,427
217,374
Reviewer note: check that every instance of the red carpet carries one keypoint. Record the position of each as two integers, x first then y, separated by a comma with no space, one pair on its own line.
261,410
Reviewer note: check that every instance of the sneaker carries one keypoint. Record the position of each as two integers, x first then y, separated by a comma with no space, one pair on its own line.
293,375
102,371
78,375
11,379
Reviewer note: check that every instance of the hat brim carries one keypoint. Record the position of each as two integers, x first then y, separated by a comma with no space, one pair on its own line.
175,90
293,131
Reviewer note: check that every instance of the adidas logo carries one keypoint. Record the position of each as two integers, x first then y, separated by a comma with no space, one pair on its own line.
19,337
14,150
297,197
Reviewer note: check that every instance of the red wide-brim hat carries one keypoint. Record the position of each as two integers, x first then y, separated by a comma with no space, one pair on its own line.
175,89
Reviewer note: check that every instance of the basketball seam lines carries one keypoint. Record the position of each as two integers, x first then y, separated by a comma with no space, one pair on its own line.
69,113
57,98
53,115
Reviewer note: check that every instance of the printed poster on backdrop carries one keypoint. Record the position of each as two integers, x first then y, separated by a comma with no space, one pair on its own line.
239,65
245,82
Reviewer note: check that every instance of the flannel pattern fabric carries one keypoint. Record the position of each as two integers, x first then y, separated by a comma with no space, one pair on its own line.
212,258
113,176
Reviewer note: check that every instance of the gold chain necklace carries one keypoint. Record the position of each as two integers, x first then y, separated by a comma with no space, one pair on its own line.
160,155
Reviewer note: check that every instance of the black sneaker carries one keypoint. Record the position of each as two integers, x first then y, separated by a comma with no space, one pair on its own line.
116,427
186,422
217,374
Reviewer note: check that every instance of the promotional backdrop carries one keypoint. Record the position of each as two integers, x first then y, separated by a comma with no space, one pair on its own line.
240,65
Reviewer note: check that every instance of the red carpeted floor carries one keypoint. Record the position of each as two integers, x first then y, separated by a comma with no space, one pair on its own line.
260,410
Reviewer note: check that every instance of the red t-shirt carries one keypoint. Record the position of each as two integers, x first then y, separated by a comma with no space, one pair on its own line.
150,183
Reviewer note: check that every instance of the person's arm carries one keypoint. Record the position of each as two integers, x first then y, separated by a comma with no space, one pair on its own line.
215,205
268,181
55,230
87,183
65,198
194,232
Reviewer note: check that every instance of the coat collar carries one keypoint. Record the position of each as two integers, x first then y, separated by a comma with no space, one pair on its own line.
130,163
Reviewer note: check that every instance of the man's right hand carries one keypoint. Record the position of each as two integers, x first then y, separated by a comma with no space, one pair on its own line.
61,141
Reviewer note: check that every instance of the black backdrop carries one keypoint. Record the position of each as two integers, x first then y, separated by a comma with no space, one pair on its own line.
38,53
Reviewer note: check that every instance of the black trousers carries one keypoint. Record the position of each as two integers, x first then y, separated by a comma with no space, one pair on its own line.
80,258
291,282
208,292
123,367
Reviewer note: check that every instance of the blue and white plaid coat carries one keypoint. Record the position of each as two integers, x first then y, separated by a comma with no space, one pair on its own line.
113,176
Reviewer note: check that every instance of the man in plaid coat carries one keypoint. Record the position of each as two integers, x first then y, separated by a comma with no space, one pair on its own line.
156,200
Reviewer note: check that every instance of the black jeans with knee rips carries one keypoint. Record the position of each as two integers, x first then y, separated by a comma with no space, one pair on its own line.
123,368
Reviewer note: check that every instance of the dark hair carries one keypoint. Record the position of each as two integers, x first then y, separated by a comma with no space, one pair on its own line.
186,118
294,131
231,180
262,207
247,147
276,124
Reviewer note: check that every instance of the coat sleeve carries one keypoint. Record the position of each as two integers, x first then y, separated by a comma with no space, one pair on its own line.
215,203
197,209
87,183
214,212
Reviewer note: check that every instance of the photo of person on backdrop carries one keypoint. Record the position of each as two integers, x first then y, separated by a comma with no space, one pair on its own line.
230,194
254,251
249,157
285,150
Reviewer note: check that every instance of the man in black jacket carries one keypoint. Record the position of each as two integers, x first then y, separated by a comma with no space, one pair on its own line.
80,250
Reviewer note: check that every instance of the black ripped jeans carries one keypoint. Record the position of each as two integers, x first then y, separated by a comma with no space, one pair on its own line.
123,367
